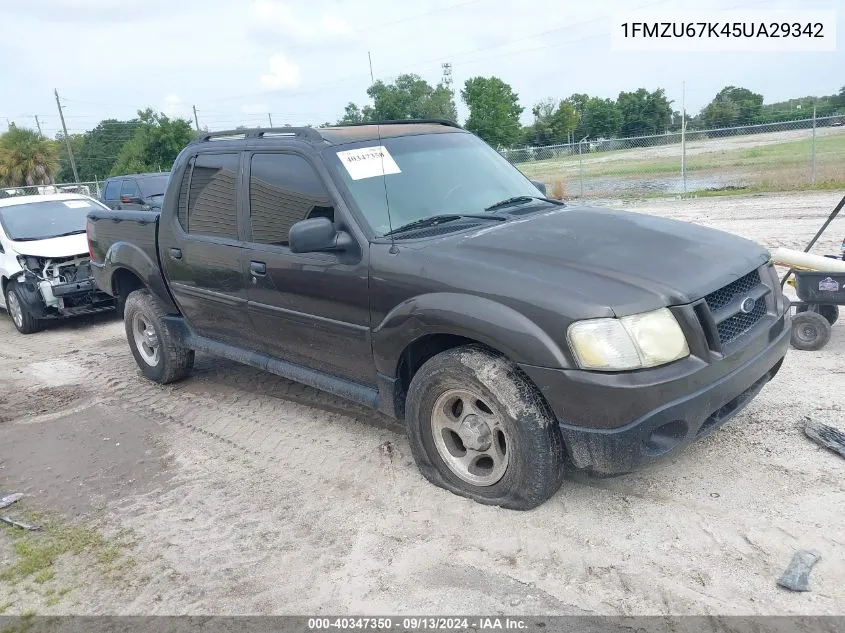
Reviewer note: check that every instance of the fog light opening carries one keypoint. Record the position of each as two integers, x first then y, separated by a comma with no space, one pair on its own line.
666,437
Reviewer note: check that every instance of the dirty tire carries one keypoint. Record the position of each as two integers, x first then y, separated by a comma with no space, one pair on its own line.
26,323
827,310
535,451
174,361
810,331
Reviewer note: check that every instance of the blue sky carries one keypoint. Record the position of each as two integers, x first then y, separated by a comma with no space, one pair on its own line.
238,60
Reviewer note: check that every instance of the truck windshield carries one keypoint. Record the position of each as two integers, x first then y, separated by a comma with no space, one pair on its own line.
153,185
31,221
432,174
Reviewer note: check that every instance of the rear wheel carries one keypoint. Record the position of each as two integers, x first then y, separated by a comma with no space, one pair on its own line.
160,358
810,331
480,429
828,311
24,321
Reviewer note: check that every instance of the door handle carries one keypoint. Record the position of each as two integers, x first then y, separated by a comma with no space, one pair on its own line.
259,269
175,253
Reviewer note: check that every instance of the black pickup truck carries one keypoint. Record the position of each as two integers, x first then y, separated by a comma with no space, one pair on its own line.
409,267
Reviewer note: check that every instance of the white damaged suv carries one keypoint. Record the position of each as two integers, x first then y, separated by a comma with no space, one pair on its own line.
45,270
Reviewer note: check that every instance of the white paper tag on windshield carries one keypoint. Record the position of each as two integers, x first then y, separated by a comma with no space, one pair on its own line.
368,162
76,204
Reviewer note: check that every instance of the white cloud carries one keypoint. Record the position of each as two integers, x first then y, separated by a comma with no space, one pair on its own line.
335,24
283,73
277,17
174,106
255,108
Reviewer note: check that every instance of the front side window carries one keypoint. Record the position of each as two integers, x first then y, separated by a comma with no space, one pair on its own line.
33,221
284,189
129,188
433,174
212,207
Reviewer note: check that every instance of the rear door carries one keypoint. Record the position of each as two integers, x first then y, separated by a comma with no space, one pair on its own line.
309,308
201,249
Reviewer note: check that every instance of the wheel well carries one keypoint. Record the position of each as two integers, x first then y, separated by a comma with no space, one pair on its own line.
123,283
417,353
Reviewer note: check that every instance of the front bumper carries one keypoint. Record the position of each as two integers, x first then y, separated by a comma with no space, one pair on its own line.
617,423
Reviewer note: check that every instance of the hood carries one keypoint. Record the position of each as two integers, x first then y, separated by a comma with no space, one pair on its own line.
66,246
601,261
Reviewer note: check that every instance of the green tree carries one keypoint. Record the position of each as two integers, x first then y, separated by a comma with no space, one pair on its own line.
27,158
409,97
493,110
101,147
553,123
65,171
154,144
732,106
600,118
644,112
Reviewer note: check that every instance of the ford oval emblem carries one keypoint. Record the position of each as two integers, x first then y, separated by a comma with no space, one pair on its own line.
747,306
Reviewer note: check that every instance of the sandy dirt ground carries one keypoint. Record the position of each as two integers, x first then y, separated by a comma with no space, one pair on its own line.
238,492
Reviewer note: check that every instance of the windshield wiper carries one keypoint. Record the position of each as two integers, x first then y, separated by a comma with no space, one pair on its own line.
507,202
76,232
434,220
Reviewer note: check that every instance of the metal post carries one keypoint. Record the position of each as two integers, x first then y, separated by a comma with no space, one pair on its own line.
196,120
38,125
97,185
270,118
813,165
581,164
67,138
684,137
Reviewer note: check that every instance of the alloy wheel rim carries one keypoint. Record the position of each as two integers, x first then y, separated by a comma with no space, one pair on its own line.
470,437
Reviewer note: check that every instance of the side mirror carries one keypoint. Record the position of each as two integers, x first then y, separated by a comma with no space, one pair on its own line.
540,185
317,234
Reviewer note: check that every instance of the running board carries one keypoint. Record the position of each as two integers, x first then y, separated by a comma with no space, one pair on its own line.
341,387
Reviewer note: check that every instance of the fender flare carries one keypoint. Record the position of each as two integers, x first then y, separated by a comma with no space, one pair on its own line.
127,256
484,320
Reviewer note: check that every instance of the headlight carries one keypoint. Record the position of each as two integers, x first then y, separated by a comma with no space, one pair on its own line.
632,342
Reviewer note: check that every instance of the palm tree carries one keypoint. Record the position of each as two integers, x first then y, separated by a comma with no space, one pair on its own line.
27,158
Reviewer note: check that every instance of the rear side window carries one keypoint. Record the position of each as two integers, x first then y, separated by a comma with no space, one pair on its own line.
182,207
129,188
284,189
212,208
112,190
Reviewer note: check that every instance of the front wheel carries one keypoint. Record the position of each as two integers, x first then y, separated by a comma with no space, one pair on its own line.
160,358
479,428
24,321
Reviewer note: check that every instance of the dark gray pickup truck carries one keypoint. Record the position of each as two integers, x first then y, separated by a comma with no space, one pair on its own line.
409,267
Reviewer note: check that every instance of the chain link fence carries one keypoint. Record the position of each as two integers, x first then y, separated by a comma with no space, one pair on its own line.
791,155
85,188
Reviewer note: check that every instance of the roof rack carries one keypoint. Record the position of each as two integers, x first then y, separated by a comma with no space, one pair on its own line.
446,122
308,133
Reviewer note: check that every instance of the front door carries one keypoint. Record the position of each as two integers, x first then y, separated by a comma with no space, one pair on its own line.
130,195
310,309
202,253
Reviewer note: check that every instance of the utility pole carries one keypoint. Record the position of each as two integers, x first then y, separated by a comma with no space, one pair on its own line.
813,168
196,120
270,118
684,136
67,138
38,125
